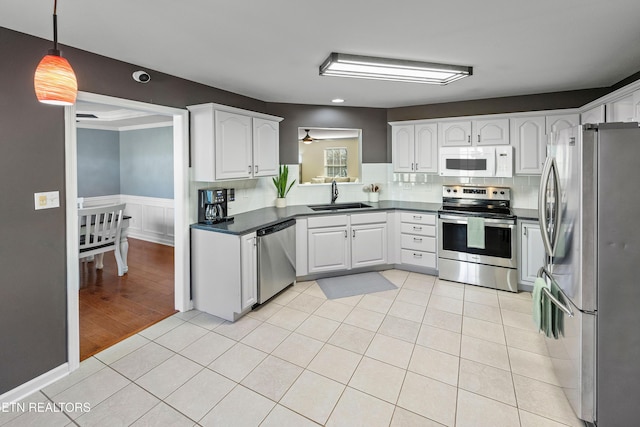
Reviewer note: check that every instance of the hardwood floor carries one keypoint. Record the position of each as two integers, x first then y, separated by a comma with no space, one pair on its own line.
113,308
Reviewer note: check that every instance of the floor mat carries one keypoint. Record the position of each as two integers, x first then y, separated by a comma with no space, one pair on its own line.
354,284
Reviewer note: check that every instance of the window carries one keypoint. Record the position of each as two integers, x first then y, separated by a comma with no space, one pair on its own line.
335,161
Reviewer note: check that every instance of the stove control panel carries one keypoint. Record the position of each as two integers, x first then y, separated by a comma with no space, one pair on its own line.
476,192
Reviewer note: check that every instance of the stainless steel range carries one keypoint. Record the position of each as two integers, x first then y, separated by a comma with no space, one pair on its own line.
477,237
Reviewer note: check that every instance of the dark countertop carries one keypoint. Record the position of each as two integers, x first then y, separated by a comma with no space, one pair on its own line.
248,222
530,214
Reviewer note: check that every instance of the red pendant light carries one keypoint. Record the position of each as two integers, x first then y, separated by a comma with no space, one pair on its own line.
55,82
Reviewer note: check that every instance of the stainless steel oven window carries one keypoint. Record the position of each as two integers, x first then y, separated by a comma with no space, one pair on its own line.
500,241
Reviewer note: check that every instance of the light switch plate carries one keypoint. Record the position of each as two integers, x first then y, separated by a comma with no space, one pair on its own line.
47,200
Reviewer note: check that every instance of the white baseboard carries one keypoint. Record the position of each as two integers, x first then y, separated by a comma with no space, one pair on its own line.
152,218
35,384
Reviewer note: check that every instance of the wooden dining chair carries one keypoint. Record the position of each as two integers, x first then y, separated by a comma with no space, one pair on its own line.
99,229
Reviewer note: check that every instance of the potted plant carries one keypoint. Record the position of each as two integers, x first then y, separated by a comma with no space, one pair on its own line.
280,182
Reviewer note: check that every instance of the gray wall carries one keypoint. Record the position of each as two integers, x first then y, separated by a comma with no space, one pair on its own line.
33,300
146,162
372,121
98,162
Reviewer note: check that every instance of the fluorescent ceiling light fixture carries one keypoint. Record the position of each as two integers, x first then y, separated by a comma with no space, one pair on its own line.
369,67
337,100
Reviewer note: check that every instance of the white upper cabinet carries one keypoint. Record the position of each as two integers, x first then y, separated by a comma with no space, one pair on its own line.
595,115
402,148
233,145
454,134
415,148
230,143
561,121
530,142
490,132
266,147
426,148
621,110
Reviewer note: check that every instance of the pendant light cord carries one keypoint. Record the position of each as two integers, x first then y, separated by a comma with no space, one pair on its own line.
55,26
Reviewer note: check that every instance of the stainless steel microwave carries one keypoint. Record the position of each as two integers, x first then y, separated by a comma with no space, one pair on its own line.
487,161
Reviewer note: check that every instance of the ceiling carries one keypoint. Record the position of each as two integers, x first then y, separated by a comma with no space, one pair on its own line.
271,50
109,117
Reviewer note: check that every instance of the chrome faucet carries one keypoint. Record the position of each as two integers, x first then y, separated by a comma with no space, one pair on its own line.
334,191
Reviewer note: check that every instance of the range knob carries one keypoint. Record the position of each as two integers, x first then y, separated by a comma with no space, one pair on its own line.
455,191
495,192
502,192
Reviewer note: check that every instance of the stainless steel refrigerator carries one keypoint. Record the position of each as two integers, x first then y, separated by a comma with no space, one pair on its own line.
590,222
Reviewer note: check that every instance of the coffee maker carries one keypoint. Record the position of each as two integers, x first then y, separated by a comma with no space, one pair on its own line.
212,205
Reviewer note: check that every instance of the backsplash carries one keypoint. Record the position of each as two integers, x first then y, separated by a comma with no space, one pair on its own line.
259,193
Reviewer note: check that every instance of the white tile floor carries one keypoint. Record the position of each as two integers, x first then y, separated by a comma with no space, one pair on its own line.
427,354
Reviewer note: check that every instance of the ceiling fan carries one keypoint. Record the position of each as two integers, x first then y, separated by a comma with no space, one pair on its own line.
307,138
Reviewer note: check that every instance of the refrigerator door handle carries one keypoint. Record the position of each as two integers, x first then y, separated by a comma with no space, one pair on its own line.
542,205
564,307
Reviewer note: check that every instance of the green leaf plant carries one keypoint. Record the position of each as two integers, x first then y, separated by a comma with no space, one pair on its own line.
281,181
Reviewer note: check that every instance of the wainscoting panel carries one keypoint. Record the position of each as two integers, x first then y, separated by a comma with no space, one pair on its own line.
152,219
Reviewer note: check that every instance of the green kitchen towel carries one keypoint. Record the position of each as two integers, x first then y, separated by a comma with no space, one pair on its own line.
475,232
537,296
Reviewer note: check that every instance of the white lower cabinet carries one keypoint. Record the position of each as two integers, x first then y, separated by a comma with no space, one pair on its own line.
343,242
368,245
532,255
418,241
249,271
328,249
223,273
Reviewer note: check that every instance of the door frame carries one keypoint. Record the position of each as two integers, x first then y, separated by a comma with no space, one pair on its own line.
181,210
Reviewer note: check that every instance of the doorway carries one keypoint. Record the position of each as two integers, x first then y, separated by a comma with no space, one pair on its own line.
181,212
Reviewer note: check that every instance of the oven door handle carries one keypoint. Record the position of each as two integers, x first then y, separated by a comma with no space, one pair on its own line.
456,219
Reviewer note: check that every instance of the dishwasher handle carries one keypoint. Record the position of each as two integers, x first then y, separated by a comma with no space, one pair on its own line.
275,227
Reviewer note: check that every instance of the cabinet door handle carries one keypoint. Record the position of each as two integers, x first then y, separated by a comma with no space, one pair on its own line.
417,239
416,167
249,169
411,166
478,137
255,169
417,217
469,139
524,230
255,241
345,234
415,255
417,228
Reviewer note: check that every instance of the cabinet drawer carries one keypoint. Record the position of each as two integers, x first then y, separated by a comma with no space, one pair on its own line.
422,230
368,218
418,243
419,258
326,221
418,218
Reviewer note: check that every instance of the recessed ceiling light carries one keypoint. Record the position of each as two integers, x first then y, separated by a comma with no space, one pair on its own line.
368,67
338,100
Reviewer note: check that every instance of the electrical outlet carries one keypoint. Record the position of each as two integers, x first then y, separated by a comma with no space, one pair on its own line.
47,200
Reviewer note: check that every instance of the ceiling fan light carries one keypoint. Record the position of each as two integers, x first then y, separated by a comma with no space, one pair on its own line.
307,139
55,82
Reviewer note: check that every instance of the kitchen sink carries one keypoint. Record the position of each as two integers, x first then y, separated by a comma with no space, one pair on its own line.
338,206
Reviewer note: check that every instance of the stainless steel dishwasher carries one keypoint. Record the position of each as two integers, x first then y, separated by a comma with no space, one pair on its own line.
276,258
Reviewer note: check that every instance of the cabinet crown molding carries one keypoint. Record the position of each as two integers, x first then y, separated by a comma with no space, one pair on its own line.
229,109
